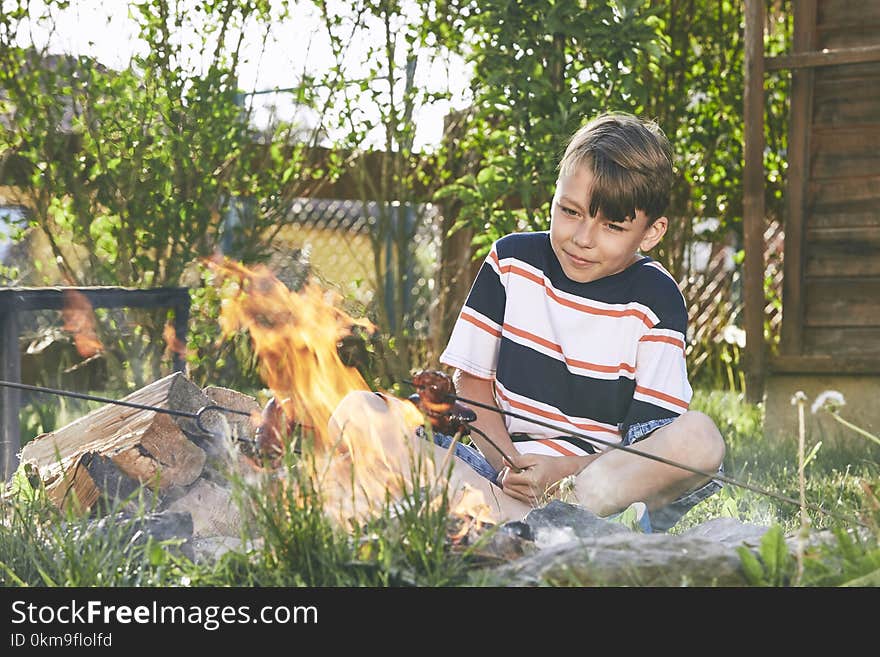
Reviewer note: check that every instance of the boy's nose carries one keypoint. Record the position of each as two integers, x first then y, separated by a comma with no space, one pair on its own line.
584,235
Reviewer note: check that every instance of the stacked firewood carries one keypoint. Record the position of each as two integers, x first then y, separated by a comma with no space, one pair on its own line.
100,461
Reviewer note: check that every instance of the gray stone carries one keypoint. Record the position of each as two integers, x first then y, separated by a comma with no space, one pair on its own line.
728,531
137,529
510,541
160,526
210,549
626,559
561,522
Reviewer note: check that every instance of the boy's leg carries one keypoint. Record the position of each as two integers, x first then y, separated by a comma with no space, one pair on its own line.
373,421
617,479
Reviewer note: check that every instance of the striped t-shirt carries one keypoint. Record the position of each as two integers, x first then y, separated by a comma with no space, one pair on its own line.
593,358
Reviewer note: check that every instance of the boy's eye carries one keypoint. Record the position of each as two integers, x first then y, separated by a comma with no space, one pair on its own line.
615,227
569,211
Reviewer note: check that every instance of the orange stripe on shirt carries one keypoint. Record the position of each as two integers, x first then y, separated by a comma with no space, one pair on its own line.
552,445
663,338
525,273
553,416
482,325
569,361
630,312
661,395
533,338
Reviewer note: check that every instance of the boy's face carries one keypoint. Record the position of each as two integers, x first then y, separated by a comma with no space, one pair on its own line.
590,248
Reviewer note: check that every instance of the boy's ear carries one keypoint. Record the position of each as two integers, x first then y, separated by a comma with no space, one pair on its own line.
654,234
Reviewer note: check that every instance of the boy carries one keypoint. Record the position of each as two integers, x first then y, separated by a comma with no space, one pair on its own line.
575,327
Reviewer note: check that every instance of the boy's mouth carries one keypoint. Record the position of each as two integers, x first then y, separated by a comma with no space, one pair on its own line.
580,262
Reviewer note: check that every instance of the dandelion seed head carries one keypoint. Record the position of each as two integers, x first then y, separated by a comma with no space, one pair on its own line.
734,335
829,400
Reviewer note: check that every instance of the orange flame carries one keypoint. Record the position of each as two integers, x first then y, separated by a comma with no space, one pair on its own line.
79,319
173,344
294,337
361,445
471,507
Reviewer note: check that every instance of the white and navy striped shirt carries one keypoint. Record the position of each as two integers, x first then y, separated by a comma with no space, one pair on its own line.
592,357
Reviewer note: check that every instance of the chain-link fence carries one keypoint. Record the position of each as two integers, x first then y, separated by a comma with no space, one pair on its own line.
382,258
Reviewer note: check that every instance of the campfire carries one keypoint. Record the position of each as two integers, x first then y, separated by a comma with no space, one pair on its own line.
355,447
361,455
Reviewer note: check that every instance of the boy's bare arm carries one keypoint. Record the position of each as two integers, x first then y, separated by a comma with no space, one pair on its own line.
489,422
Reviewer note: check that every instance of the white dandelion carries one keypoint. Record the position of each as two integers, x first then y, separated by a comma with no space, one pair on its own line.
734,335
830,400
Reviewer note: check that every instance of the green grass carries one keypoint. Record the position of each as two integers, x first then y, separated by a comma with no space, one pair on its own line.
834,476
42,546
292,542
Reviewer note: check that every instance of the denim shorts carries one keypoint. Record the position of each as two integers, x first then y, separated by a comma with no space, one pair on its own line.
659,520
470,455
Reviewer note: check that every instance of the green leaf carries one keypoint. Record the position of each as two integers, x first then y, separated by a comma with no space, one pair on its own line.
775,555
812,454
752,567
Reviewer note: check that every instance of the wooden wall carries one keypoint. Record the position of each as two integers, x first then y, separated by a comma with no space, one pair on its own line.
832,288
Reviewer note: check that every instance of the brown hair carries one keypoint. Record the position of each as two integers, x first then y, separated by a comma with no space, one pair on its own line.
631,162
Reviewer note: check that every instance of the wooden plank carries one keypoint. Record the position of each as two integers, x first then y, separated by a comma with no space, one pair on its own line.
821,58
842,301
847,13
856,83
833,166
753,200
843,110
843,214
847,37
798,175
833,92
866,188
843,259
843,342
824,365
845,152
846,72
854,234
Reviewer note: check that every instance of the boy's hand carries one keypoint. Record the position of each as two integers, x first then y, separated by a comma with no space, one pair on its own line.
539,473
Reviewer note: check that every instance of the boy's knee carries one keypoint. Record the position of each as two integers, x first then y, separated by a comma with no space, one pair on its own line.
704,440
